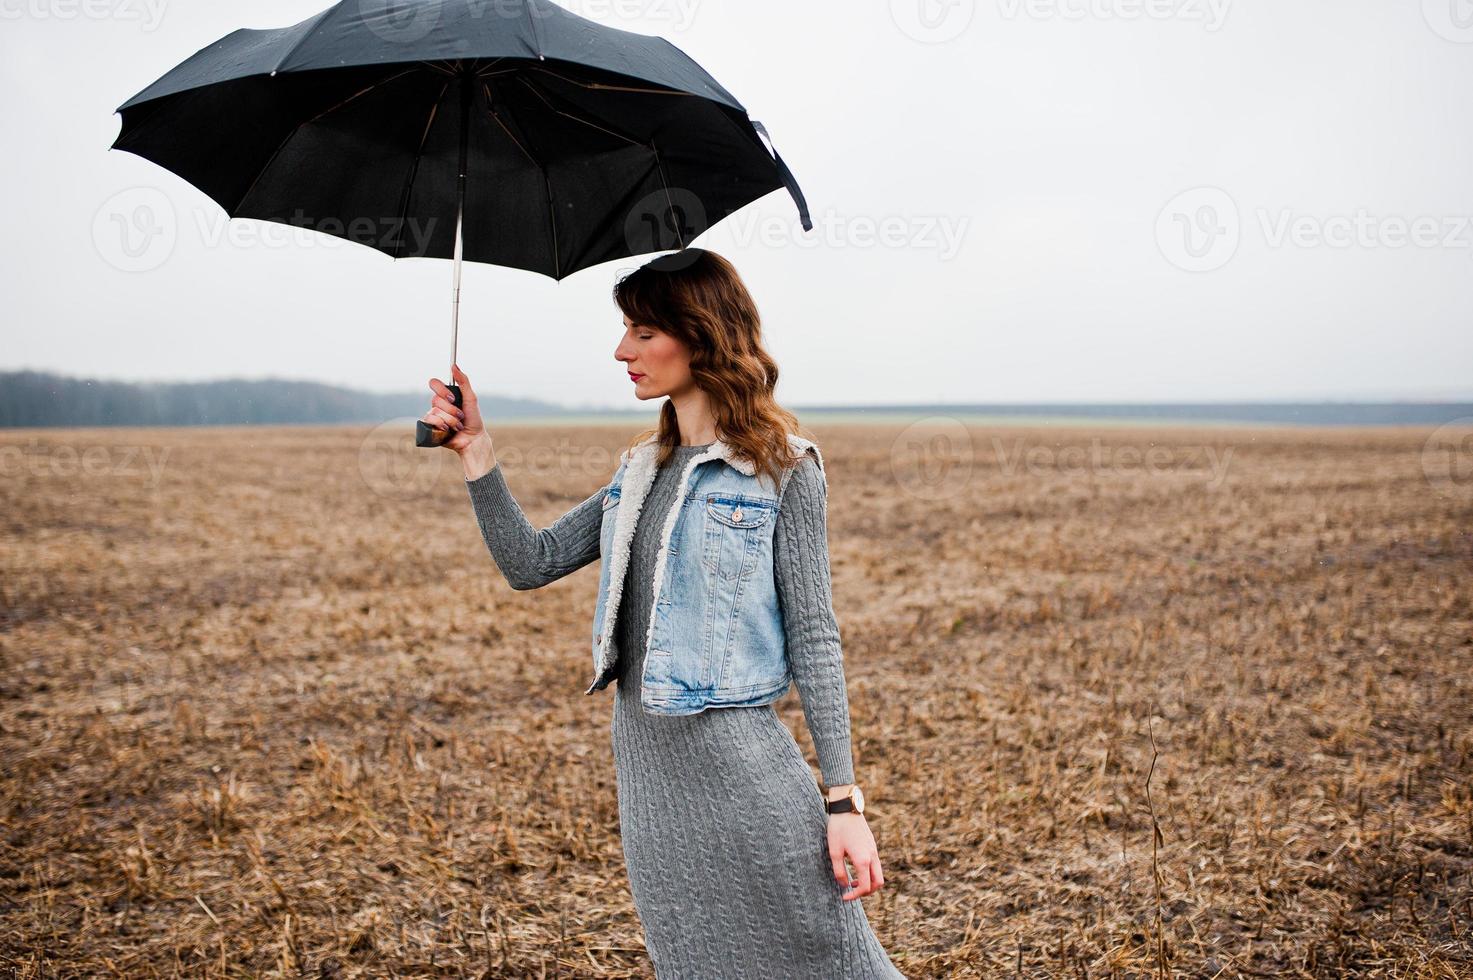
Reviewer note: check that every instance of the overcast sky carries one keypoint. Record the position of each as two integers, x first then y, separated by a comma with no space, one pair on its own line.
1013,200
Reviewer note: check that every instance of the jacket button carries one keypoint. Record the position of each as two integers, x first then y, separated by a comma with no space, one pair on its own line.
736,515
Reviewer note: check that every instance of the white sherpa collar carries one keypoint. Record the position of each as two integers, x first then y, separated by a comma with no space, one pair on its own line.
649,447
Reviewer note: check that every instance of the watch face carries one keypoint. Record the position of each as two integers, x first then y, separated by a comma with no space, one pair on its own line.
858,800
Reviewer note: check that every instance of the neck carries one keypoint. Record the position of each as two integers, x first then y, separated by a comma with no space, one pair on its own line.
693,416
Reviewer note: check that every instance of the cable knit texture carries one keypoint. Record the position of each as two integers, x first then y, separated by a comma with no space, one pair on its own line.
724,832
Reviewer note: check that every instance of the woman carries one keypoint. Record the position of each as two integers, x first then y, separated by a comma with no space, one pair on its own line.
714,592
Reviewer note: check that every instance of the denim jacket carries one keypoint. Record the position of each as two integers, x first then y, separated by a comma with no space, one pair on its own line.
715,635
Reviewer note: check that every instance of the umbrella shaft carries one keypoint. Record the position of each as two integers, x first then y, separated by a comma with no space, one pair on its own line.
455,297
466,94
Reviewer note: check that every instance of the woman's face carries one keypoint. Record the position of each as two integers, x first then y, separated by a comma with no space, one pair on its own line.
658,363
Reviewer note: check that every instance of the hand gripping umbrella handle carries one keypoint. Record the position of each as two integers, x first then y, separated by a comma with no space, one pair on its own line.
426,435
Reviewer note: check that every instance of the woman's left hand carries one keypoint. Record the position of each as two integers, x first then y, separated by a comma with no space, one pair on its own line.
849,835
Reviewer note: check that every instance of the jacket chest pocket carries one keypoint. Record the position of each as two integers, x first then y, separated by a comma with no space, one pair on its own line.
738,527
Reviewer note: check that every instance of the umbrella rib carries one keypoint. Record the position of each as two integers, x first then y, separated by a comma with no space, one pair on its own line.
547,182
536,36
355,95
585,122
660,164
317,22
614,88
297,128
414,167
557,256
492,109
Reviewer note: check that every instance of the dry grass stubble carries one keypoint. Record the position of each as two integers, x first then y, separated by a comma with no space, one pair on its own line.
263,715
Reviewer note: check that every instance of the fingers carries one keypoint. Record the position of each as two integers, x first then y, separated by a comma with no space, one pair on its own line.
861,868
841,873
868,878
441,420
459,377
448,407
444,413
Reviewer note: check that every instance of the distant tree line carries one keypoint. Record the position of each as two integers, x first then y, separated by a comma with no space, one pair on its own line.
37,398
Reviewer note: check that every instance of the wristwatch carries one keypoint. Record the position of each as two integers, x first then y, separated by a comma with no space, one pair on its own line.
852,801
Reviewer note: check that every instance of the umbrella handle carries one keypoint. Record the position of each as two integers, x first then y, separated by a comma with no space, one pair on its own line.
426,436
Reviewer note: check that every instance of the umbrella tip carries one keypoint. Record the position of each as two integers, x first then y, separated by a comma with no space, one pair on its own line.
273,73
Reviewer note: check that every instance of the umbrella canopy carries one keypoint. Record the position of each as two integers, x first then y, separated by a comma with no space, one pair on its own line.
565,142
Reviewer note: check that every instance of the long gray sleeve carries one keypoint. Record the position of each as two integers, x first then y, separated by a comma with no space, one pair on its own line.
801,563
529,557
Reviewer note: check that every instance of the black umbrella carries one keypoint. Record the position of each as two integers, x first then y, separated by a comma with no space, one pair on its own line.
511,132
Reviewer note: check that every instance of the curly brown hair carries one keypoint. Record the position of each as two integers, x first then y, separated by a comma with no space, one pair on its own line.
697,296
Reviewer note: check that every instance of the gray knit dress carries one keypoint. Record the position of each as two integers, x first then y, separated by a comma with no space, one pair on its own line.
723,827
